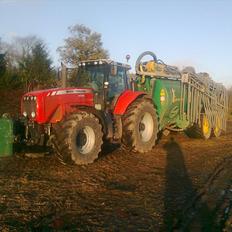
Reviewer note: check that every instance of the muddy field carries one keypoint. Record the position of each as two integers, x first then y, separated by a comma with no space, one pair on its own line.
182,185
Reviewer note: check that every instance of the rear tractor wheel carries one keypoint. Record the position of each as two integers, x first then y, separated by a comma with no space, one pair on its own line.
78,139
140,126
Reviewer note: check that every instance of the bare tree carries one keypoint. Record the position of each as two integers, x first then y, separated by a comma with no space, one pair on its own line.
27,61
82,44
19,48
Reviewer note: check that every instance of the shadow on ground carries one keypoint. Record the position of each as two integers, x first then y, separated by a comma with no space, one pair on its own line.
179,190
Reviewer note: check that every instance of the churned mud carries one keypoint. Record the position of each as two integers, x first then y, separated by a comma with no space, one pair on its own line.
183,184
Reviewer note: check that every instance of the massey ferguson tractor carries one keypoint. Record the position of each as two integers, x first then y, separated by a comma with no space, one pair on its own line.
104,104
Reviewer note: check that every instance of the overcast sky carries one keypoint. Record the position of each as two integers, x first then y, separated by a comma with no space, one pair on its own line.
180,32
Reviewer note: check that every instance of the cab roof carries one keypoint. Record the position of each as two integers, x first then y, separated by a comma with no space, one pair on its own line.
102,61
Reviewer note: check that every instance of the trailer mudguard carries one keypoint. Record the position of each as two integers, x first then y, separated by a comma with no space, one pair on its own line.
125,99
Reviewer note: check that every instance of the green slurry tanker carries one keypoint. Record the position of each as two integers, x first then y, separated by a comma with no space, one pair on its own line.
104,104
184,100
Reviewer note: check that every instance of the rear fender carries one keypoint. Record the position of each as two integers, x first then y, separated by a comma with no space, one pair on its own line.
125,99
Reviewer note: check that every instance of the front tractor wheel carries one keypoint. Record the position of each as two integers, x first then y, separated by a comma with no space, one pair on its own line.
140,126
78,139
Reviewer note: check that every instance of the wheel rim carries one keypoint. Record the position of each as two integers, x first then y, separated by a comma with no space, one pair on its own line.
85,140
206,126
146,127
217,127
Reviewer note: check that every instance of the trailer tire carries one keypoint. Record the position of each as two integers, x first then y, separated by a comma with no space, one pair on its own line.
77,139
140,126
203,131
217,130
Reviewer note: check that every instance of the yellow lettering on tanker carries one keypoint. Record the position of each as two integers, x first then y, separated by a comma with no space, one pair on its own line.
162,96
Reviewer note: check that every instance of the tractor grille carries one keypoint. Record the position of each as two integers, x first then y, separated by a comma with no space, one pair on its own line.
29,106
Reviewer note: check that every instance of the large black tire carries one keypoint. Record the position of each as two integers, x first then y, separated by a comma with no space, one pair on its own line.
78,138
140,126
197,131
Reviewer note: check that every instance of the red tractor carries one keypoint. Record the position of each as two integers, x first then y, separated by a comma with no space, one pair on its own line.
99,107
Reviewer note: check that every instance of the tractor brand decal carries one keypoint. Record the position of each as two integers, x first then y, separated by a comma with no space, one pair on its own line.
70,91
162,95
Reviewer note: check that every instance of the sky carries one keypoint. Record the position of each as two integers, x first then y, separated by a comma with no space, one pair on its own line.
180,32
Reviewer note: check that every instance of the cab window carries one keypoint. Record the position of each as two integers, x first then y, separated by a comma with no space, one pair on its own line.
91,77
117,83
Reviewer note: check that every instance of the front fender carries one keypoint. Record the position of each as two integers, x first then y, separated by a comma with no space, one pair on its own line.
125,99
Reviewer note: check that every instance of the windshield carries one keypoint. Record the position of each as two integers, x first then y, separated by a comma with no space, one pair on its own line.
117,83
91,77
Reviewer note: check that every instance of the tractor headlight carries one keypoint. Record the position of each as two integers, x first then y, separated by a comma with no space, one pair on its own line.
98,106
29,106
33,114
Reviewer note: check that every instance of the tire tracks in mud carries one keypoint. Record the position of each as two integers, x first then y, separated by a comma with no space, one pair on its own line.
222,208
119,189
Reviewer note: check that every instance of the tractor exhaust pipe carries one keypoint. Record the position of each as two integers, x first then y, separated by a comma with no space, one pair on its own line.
63,75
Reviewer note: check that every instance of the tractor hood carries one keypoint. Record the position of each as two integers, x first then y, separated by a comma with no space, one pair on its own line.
50,105
58,91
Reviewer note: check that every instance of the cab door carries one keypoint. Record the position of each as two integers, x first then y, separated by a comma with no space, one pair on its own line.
117,82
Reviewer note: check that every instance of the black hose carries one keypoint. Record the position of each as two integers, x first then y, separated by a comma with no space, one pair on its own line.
138,61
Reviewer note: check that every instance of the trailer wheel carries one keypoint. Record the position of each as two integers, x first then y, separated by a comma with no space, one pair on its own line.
140,126
217,130
203,131
78,139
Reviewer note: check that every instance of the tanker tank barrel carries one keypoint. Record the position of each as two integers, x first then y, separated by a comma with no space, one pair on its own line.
156,68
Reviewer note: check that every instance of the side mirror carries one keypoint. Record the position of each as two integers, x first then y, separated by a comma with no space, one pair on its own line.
113,71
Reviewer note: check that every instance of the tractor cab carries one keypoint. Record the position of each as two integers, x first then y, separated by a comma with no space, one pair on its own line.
106,77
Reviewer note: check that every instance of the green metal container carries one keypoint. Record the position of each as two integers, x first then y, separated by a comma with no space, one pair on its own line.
6,137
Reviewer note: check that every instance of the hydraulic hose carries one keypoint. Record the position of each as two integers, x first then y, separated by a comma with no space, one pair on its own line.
138,61
170,71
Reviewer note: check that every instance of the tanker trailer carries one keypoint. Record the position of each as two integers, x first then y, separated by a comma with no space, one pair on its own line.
184,100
